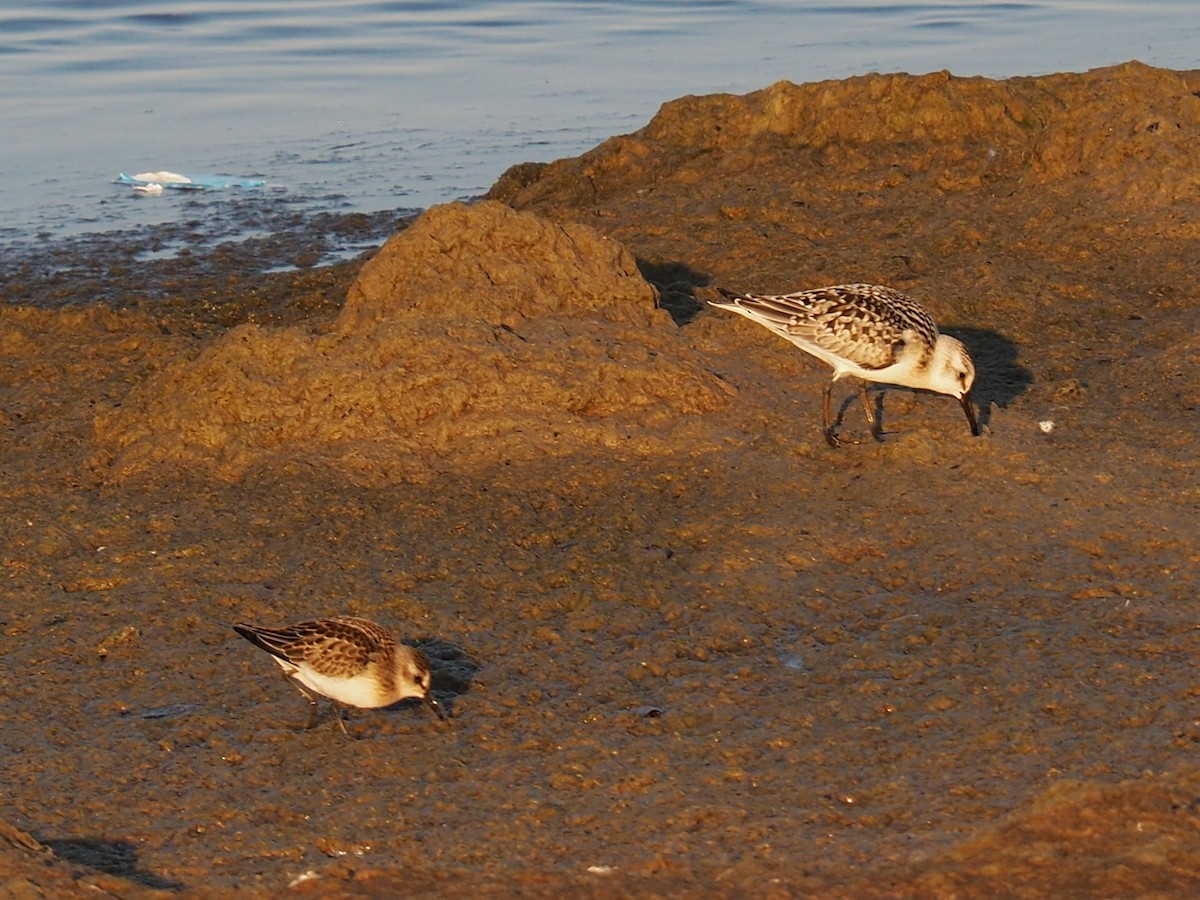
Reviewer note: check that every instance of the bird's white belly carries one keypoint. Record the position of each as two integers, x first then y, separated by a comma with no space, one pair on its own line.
363,690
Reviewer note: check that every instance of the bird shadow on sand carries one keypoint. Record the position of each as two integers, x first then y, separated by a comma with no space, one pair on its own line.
676,283
999,378
452,667
112,857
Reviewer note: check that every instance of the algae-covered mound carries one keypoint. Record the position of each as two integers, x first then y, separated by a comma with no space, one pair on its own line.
938,133
477,335
488,262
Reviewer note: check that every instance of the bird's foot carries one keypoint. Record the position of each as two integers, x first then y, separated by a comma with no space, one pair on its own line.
834,441
314,716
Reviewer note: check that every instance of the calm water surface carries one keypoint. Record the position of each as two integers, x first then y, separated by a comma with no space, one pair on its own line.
397,104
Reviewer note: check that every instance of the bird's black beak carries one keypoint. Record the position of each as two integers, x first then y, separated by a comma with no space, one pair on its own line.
432,703
969,409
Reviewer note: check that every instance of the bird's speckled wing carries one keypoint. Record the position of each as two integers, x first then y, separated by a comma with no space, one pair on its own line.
338,646
864,323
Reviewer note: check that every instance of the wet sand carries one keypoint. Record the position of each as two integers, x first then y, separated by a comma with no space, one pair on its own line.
685,644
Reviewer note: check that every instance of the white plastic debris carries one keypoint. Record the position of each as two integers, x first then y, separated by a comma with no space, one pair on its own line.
154,182
162,178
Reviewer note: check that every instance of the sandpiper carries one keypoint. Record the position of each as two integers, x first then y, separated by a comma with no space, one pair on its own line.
872,332
351,661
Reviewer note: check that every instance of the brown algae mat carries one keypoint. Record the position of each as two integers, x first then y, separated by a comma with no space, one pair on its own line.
689,650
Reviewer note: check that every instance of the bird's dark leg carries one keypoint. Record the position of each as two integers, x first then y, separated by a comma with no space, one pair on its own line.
869,409
314,715
830,438
337,716
314,707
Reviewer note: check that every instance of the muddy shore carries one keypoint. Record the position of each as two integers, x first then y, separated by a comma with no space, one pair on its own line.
689,649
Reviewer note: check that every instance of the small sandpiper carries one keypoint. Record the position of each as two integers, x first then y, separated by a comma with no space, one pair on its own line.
872,332
351,661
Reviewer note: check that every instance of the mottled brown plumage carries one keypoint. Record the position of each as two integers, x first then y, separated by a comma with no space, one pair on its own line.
351,661
869,331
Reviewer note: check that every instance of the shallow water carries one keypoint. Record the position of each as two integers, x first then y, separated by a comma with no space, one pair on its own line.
383,104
